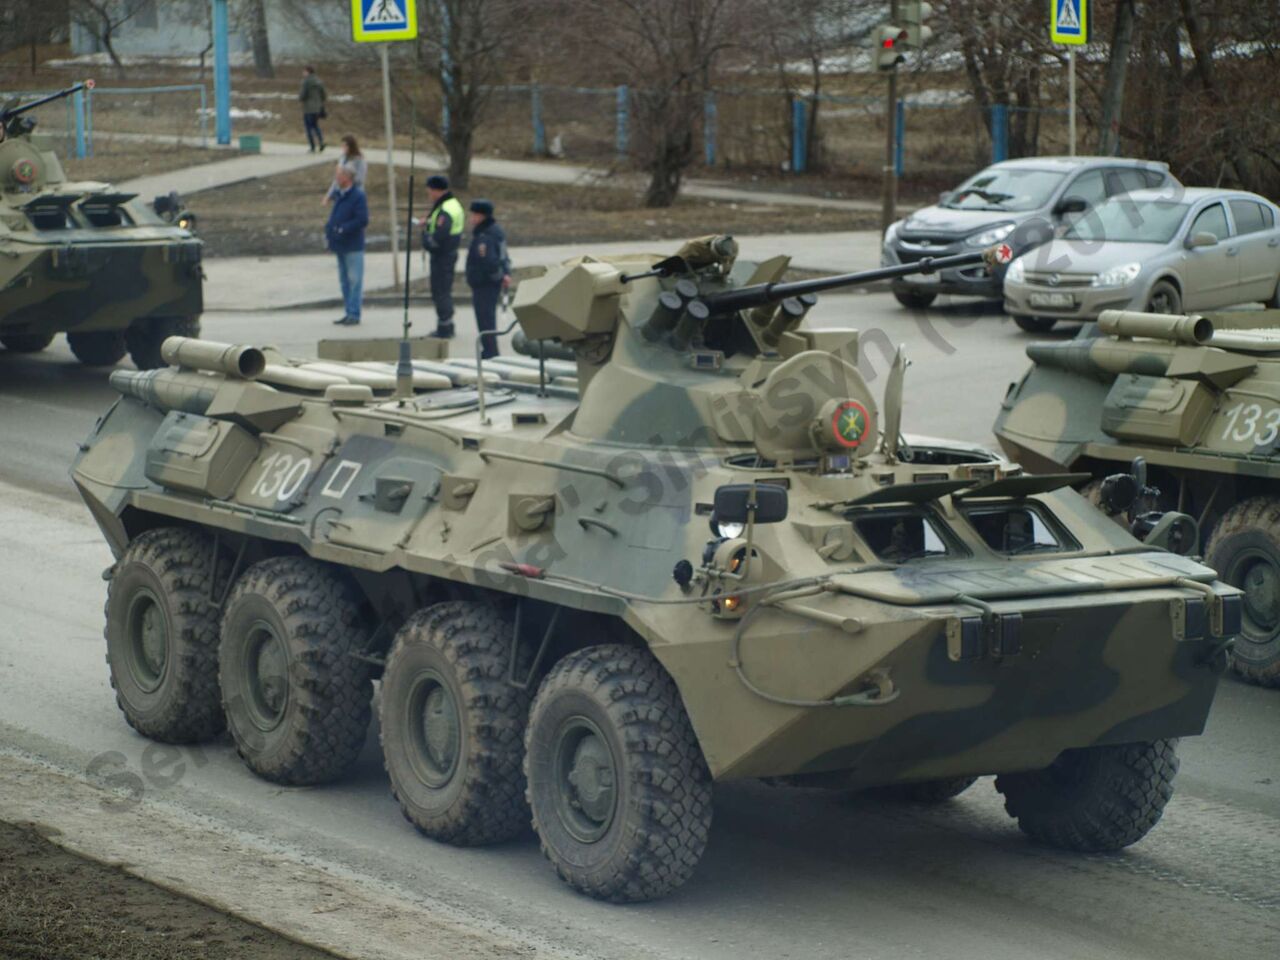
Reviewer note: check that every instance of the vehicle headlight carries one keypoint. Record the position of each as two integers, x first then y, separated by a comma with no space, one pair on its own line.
891,234
987,237
1017,271
1118,276
730,530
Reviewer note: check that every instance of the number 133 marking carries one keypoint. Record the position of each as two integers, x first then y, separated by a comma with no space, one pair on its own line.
1244,421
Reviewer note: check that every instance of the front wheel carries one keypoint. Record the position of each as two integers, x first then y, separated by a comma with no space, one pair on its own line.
914,299
144,338
1245,550
1094,799
1164,298
98,348
26,342
1035,324
620,793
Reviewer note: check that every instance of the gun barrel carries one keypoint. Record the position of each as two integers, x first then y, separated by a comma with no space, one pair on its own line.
1195,330
167,389
761,293
246,363
49,98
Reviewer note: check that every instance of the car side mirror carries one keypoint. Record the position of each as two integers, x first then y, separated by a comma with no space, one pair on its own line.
1070,205
733,503
1202,239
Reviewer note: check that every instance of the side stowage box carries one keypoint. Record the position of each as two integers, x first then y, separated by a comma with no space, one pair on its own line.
1157,409
195,454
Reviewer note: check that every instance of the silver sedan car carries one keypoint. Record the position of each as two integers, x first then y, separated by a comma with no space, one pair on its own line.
1165,250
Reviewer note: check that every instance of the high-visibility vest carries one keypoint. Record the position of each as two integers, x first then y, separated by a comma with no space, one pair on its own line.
453,208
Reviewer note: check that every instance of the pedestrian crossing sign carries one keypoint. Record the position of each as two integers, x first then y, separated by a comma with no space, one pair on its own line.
377,21
1068,21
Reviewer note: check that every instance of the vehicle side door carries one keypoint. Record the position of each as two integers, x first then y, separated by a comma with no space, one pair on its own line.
1211,273
1259,241
1089,186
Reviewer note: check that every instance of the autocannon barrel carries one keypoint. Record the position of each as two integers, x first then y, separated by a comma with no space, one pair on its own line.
246,363
6,115
1193,330
759,294
167,389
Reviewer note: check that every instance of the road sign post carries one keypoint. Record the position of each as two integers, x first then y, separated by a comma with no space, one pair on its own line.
383,22
1069,24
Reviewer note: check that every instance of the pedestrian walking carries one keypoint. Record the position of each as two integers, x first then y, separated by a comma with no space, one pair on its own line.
488,271
345,235
354,161
313,99
441,238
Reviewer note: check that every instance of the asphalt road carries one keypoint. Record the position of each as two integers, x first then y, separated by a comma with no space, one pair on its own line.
789,873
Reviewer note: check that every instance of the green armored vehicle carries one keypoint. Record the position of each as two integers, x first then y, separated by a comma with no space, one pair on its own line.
700,551
85,259
1198,398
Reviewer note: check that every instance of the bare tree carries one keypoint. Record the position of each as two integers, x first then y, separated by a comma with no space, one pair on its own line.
465,44
254,15
1117,68
102,18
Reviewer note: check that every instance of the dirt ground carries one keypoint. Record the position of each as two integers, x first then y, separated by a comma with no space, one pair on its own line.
116,159
286,214
56,906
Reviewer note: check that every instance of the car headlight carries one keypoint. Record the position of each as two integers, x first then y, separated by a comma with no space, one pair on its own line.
987,237
1017,271
891,233
1118,276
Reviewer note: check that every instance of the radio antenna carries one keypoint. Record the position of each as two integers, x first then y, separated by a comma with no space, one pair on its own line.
404,368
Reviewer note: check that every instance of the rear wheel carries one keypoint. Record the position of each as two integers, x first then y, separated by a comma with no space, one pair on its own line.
1035,324
1245,550
620,793
162,636
296,700
1164,298
453,727
144,338
914,299
26,342
99,348
1095,799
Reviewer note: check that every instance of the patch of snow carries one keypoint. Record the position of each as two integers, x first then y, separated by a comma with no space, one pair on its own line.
238,113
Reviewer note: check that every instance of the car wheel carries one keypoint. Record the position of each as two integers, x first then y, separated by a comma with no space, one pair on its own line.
914,299
1164,298
1035,324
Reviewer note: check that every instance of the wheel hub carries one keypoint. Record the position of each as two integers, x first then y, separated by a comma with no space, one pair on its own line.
435,730
1261,585
149,640
587,776
267,672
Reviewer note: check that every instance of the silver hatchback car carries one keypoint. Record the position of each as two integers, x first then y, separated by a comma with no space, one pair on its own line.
1166,250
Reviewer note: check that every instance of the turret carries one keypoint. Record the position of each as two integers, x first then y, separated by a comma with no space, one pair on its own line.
27,164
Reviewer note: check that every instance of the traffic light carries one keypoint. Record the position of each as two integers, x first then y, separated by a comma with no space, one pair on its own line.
913,14
891,42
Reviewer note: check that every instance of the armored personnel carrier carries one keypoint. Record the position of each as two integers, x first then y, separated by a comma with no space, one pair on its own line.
707,553
86,259
1197,398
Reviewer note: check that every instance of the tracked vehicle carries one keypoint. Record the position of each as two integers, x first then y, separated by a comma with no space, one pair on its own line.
1198,398
706,553
85,259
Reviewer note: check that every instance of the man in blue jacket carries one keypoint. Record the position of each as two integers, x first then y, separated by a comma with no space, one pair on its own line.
488,271
344,234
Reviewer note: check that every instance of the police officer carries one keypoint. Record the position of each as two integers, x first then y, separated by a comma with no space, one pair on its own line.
441,238
488,271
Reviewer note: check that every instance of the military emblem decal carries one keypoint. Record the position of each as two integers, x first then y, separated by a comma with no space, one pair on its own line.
24,171
849,424
1004,253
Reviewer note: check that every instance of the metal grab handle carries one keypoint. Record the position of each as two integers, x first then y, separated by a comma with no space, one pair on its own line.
480,364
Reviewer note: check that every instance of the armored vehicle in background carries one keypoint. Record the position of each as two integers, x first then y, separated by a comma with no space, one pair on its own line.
1198,398
85,259
700,551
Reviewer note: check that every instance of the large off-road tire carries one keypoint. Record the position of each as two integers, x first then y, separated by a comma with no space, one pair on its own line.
1094,799
297,701
143,339
1245,550
927,791
1164,298
1035,324
453,727
914,299
162,635
98,348
618,787
26,342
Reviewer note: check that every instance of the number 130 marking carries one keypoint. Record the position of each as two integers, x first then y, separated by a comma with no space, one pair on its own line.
282,476
1243,423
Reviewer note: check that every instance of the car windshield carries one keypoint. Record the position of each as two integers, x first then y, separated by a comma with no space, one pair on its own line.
1005,188
1122,220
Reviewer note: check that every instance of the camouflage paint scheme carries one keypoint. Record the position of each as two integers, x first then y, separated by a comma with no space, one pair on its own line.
1202,408
80,276
1104,641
